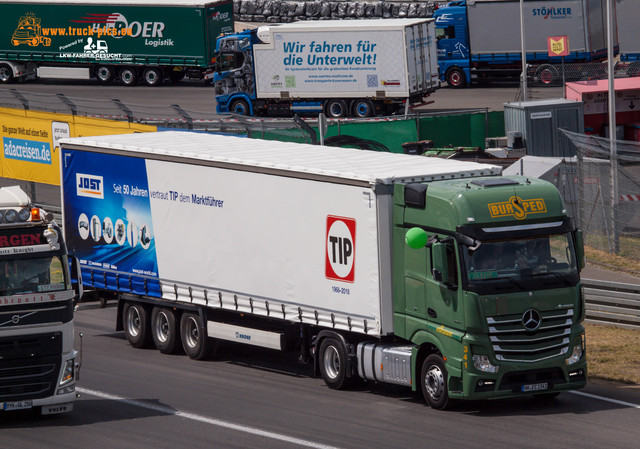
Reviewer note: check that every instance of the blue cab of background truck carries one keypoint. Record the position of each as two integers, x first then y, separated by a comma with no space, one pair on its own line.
247,39
456,51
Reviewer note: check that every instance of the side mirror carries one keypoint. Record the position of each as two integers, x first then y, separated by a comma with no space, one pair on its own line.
579,248
416,238
440,263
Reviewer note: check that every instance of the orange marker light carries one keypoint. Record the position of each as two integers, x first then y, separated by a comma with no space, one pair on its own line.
35,214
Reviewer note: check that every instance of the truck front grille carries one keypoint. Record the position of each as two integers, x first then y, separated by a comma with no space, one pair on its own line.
29,366
513,342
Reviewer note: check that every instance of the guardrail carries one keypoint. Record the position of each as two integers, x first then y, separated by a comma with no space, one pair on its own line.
612,303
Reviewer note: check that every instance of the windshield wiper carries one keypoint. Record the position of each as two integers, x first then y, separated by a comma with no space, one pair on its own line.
553,273
513,281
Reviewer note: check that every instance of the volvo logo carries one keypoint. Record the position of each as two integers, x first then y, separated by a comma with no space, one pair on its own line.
15,319
531,319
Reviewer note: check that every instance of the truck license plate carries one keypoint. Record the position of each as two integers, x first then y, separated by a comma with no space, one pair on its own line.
18,405
535,387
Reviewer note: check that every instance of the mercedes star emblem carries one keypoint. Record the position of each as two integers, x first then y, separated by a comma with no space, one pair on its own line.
531,319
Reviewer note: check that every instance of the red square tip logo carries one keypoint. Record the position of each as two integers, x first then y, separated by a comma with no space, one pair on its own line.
340,254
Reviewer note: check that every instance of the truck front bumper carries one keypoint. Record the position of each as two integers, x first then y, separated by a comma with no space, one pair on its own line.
518,380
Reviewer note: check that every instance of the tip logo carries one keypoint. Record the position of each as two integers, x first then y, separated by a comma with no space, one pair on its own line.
340,249
90,186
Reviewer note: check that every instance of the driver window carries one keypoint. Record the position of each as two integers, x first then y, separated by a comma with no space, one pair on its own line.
452,267
229,61
446,33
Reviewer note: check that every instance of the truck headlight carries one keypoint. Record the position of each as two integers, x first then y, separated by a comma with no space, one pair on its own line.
68,372
575,355
578,351
482,363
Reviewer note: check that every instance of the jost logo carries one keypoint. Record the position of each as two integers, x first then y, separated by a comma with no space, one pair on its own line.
340,248
90,186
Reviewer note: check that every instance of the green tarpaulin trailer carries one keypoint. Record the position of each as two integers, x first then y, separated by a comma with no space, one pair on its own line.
126,40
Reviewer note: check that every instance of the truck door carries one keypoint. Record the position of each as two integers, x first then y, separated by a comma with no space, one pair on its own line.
451,34
446,42
415,278
442,304
427,298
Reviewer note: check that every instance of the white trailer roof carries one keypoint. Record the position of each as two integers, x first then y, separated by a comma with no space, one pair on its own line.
345,25
285,158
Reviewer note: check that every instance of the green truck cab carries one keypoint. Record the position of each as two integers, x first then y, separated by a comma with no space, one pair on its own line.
487,288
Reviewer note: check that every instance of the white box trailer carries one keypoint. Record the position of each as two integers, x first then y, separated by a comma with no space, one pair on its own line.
357,58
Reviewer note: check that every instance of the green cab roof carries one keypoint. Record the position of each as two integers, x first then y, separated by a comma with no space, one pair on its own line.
498,201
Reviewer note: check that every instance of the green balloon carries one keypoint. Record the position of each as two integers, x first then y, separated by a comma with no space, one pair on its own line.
416,238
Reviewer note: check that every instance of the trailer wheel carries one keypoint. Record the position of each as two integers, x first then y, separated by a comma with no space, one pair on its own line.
333,364
128,76
239,107
363,108
336,108
6,74
194,337
164,330
455,78
433,379
152,76
135,318
104,73
546,75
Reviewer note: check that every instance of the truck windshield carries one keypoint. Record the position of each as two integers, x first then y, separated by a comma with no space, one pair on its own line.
229,61
34,275
551,255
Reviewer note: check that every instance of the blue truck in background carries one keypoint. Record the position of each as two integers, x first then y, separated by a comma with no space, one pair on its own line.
355,68
480,40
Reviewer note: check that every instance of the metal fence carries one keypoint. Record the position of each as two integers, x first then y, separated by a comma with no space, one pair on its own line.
165,116
608,194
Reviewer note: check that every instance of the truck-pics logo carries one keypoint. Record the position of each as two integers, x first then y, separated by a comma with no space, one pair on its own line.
90,186
517,207
29,32
340,249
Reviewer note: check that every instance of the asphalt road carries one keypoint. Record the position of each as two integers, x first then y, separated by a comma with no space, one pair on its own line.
249,397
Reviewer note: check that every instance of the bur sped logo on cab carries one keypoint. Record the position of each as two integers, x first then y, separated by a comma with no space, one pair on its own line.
340,247
517,207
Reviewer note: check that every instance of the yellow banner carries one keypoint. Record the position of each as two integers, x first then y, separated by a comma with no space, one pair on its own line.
30,141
